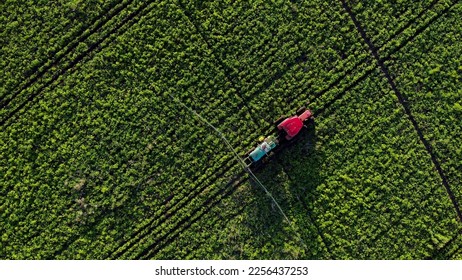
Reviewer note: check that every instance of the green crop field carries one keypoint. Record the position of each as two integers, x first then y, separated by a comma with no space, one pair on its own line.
99,159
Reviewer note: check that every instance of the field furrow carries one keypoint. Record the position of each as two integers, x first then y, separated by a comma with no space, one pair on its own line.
62,51
95,43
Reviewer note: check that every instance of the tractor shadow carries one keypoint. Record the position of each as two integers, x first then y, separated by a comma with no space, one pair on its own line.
292,177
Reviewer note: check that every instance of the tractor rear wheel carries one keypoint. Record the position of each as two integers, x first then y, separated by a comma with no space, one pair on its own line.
309,121
300,110
248,152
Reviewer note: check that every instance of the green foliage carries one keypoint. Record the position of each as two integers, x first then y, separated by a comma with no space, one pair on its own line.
103,164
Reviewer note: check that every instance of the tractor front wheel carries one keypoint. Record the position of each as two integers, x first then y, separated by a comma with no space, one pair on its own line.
278,121
300,110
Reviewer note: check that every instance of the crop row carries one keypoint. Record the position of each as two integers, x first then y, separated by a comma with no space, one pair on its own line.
208,45
187,101
223,67
34,35
84,127
244,53
393,222
97,112
388,228
402,219
451,249
269,232
450,7
263,47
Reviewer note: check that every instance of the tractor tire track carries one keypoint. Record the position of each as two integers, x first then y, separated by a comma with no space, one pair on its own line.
169,211
187,221
305,207
443,251
94,27
96,47
327,90
224,167
300,59
327,105
410,22
222,66
396,222
405,106
200,209
191,248
419,31
176,207
348,72
182,201
163,216
170,197
340,95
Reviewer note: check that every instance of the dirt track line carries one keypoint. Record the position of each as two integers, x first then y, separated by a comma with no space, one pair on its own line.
343,92
187,222
227,71
150,225
303,203
101,215
407,110
94,47
419,31
300,59
445,246
168,212
410,22
68,48
348,71
223,168
328,104
392,52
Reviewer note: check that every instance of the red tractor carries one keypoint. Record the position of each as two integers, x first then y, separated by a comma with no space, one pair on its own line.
287,129
290,127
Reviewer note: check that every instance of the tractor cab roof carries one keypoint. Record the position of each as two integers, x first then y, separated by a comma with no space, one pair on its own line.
291,126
